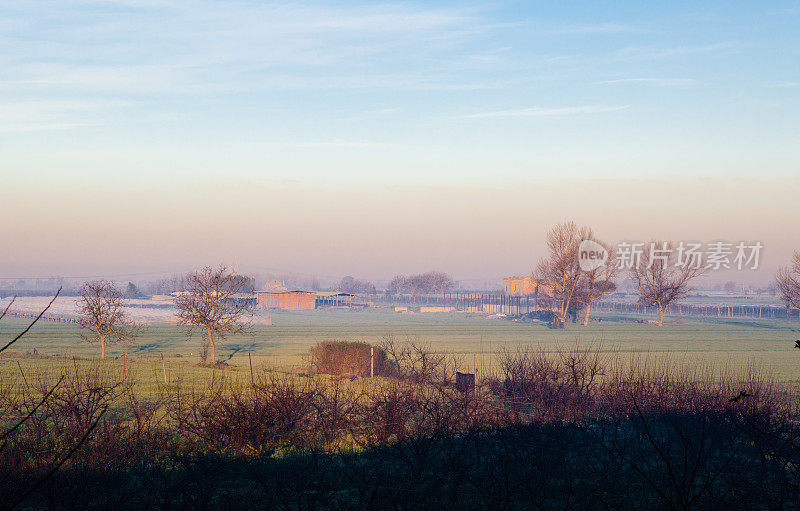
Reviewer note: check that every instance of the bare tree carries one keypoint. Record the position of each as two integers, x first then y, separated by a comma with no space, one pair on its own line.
594,284
788,281
432,282
437,281
561,268
102,314
213,302
660,279
398,285
6,434
349,284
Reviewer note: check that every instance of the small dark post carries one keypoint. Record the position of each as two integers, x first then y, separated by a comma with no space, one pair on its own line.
465,382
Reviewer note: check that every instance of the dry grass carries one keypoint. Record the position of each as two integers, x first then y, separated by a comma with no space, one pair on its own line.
676,433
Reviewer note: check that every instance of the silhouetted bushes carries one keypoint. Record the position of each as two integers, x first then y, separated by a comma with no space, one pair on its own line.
694,461
574,429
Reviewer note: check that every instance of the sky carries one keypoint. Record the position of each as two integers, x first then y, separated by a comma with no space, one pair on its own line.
377,138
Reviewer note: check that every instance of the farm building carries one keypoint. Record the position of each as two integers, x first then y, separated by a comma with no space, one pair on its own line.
276,298
519,286
335,299
286,300
242,299
526,286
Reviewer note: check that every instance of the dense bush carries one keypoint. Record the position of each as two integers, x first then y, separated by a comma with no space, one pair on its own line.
343,358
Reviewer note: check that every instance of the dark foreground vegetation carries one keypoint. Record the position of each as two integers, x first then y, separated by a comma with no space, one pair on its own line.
550,431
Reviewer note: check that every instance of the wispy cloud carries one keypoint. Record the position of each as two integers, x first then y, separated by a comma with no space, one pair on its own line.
210,47
784,84
656,52
333,144
547,112
54,115
27,127
759,103
382,111
662,82
591,28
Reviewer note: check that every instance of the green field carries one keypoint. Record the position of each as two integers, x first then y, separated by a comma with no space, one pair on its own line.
722,342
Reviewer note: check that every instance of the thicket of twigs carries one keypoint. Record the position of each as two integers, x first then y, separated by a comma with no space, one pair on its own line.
571,430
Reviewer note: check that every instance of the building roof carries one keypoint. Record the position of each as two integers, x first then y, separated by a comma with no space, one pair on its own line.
241,295
328,294
283,291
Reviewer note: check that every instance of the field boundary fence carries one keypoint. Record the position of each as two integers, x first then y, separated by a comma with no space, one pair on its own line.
501,303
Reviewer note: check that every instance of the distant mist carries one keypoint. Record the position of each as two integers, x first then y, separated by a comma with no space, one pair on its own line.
375,232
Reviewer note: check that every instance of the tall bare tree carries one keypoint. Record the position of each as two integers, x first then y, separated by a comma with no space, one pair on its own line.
660,279
788,281
102,314
561,268
594,284
212,303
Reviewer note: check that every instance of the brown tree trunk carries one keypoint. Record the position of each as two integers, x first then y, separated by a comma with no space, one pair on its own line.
660,316
102,346
211,343
563,312
586,318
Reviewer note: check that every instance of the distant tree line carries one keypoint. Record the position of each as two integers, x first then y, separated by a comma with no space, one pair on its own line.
788,282
352,285
432,282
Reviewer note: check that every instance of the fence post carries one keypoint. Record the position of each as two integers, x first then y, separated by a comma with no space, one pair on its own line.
371,361
252,380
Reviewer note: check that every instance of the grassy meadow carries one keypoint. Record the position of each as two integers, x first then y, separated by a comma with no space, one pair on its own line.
280,440
723,343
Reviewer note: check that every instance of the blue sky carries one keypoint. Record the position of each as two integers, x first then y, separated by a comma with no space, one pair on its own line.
132,96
